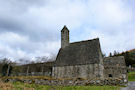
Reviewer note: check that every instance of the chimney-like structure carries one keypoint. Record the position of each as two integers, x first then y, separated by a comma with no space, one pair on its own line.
64,37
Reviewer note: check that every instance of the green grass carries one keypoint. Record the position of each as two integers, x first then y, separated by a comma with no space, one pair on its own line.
20,86
131,76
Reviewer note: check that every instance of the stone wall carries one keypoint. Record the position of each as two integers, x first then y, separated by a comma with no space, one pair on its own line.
89,71
114,67
70,82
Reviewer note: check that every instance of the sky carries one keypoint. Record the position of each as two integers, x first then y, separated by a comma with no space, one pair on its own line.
31,28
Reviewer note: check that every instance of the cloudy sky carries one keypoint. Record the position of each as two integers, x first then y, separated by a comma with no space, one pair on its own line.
31,28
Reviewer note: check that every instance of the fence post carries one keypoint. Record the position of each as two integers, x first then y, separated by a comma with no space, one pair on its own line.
8,69
28,71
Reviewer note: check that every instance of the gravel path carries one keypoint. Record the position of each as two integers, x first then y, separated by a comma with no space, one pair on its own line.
131,86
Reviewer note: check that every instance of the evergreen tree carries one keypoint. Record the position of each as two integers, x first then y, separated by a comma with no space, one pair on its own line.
110,55
128,59
115,53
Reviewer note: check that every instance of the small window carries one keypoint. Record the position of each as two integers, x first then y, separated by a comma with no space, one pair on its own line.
110,75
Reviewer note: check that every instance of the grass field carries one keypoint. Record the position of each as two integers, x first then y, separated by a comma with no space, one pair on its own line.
131,76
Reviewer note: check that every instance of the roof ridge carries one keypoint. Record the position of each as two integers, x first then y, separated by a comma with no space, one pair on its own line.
85,40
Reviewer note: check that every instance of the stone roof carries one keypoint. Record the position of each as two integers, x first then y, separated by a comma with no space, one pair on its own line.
65,28
79,53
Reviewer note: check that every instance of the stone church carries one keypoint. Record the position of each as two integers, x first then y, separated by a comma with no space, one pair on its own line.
84,59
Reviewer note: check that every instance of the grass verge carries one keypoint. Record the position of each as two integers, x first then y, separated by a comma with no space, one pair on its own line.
131,76
25,86
20,86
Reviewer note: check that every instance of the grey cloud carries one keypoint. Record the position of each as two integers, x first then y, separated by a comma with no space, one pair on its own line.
15,18
37,24
9,24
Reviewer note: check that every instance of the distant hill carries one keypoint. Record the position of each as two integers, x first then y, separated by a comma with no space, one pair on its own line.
132,50
132,53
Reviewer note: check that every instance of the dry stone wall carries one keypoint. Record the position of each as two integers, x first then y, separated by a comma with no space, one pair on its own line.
70,82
